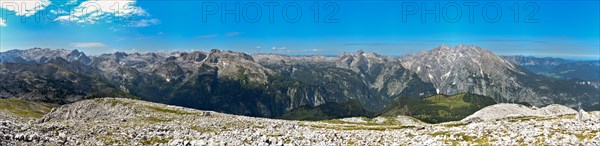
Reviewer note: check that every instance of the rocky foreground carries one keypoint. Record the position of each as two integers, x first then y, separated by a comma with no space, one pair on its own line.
111,121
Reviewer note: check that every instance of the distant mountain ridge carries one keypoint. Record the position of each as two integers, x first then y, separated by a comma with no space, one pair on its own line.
270,85
39,55
223,81
559,68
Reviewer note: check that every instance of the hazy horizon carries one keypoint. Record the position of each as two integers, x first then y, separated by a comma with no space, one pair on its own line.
313,54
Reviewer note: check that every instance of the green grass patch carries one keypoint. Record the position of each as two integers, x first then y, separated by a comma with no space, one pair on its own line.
362,127
378,128
203,129
273,135
473,139
367,121
581,136
455,124
113,101
351,108
440,133
26,109
155,140
522,119
339,121
156,120
439,108
107,140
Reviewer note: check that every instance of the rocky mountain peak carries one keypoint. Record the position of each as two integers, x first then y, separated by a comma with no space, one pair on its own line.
39,55
120,55
216,55
455,69
360,52
234,55
461,52
195,56
453,56
472,69
361,58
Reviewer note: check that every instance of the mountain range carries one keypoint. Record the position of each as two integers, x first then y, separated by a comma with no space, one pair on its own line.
273,85
586,70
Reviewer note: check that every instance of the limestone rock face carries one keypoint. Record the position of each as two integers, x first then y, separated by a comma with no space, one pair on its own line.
456,69
582,116
373,79
92,110
503,110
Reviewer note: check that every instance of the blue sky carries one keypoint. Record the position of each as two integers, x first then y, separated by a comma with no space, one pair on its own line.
569,29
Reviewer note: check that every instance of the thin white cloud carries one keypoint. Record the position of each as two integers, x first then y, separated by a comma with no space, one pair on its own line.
276,48
24,7
208,36
144,23
121,39
112,28
2,22
93,11
235,33
312,50
88,45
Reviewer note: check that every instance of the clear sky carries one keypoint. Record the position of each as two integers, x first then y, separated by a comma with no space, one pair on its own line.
569,29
